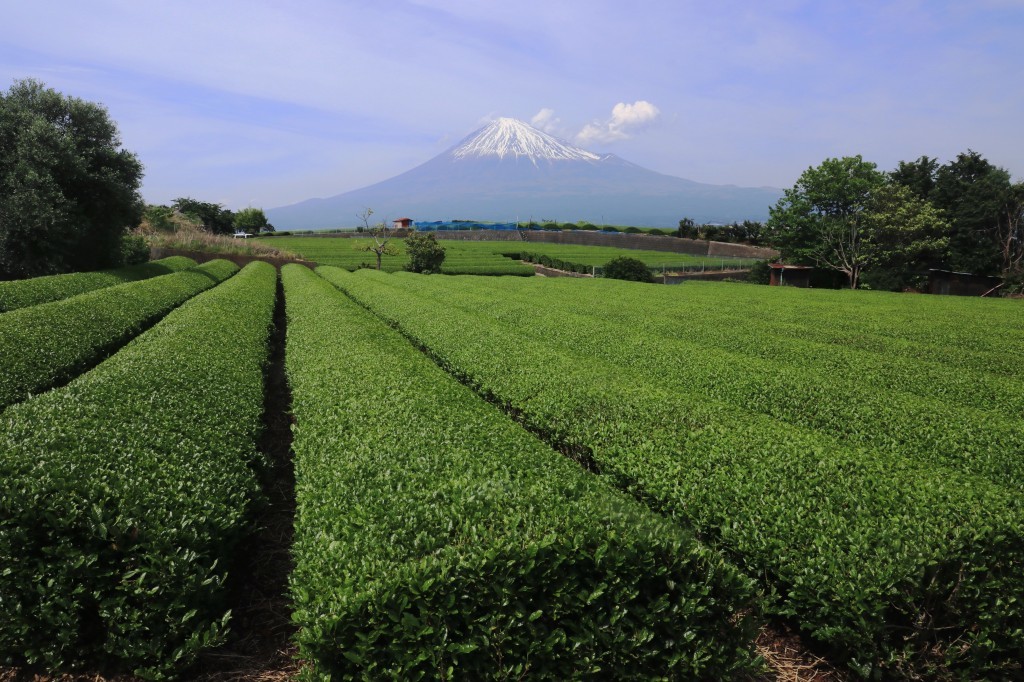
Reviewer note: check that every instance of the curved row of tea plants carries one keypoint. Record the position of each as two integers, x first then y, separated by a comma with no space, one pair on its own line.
47,344
848,406
435,538
125,492
901,568
584,259
27,292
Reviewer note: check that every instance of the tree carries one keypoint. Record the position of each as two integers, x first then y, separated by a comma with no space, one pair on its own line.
903,235
213,217
975,195
821,219
687,229
381,236
68,191
1011,232
425,254
629,269
917,176
252,220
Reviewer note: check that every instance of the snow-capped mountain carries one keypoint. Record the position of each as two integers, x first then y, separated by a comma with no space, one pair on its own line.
509,137
509,171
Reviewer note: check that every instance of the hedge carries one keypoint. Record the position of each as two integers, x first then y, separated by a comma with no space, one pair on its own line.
435,538
125,492
45,345
510,269
27,292
901,567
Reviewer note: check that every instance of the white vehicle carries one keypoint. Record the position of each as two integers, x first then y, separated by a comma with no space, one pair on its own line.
241,234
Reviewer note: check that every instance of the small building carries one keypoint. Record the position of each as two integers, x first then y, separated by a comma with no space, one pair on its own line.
948,283
403,223
790,275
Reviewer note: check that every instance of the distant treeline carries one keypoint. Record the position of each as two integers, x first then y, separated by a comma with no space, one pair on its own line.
185,212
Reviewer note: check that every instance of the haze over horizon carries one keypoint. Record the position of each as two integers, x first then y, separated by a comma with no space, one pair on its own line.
259,104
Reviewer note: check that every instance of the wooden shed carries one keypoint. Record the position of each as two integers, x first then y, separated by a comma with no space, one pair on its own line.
790,275
403,223
948,283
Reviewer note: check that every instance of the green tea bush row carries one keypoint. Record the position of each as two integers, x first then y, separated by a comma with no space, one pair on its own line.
436,539
26,292
851,405
900,567
550,262
967,333
47,344
123,494
513,269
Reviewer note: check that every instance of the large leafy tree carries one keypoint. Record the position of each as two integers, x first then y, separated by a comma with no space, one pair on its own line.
822,219
974,195
903,235
68,190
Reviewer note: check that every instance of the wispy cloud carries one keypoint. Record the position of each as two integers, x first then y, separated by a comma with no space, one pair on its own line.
626,119
546,120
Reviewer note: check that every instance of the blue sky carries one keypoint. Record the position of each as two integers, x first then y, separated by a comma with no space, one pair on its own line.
268,103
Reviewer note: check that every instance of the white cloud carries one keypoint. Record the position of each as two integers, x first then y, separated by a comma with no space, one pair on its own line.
546,120
625,120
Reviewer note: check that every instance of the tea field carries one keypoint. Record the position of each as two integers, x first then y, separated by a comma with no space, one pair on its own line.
514,478
493,257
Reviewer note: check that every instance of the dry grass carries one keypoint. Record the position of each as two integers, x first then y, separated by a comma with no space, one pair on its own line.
788,660
190,238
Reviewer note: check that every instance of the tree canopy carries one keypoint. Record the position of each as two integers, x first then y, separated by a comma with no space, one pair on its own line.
822,218
252,220
214,217
966,215
68,190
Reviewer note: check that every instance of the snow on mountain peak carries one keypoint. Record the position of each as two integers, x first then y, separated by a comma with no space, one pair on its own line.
513,138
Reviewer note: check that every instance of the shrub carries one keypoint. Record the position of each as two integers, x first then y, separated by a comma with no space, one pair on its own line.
629,269
425,255
760,273
134,249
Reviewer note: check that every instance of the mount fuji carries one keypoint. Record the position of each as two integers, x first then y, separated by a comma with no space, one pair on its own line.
509,171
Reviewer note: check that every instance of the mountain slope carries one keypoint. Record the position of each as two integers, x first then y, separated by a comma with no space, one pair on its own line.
509,171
